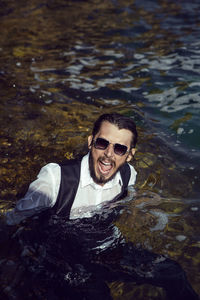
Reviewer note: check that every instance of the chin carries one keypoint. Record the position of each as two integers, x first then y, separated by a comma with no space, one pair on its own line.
102,179
98,177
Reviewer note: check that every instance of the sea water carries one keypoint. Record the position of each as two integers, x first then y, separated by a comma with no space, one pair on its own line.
64,63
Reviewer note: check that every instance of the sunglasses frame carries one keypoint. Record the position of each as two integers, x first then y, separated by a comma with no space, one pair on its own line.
108,143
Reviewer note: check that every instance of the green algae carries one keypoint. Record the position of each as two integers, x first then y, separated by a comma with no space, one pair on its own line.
181,120
45,125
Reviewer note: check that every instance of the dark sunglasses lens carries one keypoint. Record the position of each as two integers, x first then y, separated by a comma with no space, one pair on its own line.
101,143
120,149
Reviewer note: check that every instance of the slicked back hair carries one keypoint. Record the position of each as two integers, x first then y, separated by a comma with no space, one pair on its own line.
122,122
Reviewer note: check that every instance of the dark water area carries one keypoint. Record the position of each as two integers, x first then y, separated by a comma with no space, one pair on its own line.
62,64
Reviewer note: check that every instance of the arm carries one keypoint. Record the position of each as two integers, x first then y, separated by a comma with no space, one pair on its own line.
42,194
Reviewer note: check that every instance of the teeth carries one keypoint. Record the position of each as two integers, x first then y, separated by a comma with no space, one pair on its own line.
106,164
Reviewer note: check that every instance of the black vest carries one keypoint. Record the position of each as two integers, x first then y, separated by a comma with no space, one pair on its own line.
70,177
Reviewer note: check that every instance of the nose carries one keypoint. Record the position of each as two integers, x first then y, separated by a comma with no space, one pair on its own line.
109,152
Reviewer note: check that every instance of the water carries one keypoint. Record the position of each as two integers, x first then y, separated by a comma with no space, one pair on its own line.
64,63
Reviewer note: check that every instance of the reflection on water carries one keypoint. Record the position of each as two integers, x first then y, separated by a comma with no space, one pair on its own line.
62,63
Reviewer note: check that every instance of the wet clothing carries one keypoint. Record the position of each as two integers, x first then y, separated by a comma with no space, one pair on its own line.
70,177
74,258
44,192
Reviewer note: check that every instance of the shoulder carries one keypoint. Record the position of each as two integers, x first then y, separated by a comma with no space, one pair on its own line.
71,169
133,175
50,168
55,169
71,162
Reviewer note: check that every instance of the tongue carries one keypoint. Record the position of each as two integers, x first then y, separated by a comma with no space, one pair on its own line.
105,168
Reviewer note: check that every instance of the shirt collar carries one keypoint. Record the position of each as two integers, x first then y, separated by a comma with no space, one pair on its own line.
86,179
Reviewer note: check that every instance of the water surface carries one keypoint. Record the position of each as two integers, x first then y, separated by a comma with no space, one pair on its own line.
62,64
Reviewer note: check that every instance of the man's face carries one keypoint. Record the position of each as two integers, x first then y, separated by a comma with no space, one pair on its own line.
105,163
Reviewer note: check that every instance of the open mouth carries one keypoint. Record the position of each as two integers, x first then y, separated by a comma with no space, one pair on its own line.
105,167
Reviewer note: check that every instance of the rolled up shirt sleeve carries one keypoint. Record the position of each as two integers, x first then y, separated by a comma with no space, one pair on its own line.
42,194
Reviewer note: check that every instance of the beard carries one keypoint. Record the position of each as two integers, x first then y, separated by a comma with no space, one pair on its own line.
101,179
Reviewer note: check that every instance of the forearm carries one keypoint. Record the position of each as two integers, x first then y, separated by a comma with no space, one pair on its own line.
41,195
27,207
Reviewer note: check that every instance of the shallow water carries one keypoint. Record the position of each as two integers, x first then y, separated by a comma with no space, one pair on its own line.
64,63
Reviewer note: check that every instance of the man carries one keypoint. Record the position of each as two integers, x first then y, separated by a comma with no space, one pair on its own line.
76,188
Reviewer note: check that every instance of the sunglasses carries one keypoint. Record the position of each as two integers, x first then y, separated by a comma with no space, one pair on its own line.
102,144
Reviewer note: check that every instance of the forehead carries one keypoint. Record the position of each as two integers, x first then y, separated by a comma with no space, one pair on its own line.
112,133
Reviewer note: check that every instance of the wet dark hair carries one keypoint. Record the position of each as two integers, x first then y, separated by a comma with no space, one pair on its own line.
122,122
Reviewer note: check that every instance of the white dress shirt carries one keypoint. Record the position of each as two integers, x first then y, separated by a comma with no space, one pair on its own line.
43,192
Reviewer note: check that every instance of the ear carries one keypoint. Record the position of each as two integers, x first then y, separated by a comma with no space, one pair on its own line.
131,154
90,138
